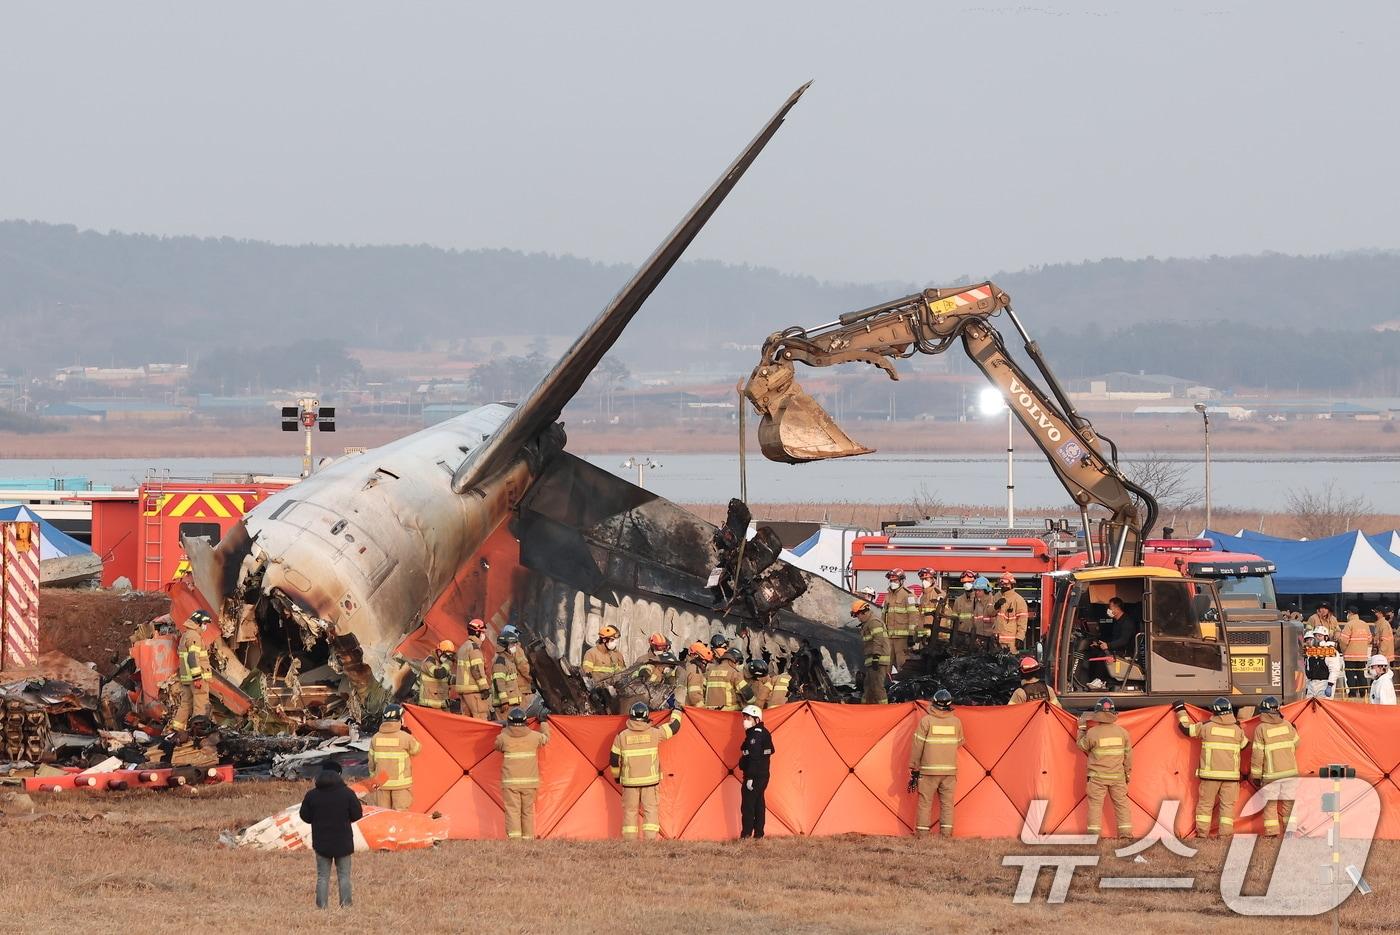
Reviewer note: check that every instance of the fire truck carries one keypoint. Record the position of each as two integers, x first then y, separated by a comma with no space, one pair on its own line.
1185,643
138,536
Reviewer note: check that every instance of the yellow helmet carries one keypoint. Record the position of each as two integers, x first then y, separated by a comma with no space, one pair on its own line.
859,607
447,646
608,632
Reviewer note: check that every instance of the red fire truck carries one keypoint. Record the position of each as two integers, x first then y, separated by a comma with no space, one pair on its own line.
138,536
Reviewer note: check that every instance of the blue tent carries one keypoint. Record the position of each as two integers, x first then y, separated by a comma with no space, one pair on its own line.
1350,563
53,543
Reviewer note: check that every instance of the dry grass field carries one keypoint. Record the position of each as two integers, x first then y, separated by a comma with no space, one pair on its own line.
148,863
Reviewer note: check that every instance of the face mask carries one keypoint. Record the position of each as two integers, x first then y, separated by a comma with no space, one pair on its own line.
610,644
894,585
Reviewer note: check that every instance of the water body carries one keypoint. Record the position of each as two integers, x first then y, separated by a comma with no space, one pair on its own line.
1249,483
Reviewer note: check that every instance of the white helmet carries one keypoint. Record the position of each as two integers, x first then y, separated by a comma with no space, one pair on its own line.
1378,661
753,712
1322,632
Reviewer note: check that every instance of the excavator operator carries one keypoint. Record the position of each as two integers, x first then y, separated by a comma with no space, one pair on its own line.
1117,639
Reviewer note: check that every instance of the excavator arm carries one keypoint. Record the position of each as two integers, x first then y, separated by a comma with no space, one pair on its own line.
795,429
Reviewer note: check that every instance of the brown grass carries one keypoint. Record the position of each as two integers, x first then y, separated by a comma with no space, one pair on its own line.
148,862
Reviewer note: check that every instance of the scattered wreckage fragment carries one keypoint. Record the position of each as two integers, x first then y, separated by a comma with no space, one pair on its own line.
381,829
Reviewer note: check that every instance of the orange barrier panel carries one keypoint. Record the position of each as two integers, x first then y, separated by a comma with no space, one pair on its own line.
841,769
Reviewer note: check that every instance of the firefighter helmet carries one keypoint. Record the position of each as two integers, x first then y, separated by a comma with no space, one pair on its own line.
1269,705
733,655
1221,705
446,646
896,574
476,627
698,648
516,717
753,712
393,712
1007,578
638,711
658,642
981,584
758,667
859,607
667,658
509,637
1105,705
925,571
608,632
943,700
1028,666
199,618
718,640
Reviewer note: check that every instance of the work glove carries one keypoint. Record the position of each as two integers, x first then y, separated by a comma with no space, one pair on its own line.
671,702
913,780
748,784
1178,705
197,684
544,716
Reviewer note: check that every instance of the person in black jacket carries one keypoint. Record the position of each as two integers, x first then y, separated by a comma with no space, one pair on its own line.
330,809
753,762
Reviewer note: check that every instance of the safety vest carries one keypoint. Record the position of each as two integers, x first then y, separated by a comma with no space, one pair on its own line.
505,687
722,685
1275,754
471,669
391,751
520,761
1221,743
777,690
192,643
1032,693
433,688
936,742
875,641
601,663
636,753
901,613
1110,751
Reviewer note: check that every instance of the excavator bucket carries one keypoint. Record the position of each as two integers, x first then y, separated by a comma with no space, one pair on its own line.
794,429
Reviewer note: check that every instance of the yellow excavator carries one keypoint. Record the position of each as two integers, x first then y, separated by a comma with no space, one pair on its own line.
1181,642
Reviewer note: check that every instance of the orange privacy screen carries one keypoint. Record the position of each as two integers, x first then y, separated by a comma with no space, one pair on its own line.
839,769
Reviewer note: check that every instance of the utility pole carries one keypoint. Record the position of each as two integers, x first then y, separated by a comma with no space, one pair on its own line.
307,414
641,464
1205,420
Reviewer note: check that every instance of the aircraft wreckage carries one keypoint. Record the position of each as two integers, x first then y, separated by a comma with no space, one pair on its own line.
486,515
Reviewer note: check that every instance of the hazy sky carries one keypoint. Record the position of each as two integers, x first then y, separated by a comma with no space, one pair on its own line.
940,138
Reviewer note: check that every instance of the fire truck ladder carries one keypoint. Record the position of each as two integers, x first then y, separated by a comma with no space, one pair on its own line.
152,531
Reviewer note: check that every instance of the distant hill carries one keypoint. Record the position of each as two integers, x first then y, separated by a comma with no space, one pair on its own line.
69,296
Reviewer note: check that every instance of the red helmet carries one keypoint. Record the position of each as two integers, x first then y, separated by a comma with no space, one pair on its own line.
1005,577
476,627
969,576
896,575
1029,665
925,571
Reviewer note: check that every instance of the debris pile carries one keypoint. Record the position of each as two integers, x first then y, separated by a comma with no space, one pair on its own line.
973,679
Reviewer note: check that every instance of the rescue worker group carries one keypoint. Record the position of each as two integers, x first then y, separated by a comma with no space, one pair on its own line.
716,676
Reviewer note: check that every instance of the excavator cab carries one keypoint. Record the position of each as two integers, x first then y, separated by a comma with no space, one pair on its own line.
1164,644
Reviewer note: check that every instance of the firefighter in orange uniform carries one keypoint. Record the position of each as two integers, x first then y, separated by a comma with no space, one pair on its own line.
933,763
520,771
1221,744
435,676
603,662
473,684
391,752
195,671
635,761
1110,767
931,601
526,681
1274,756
